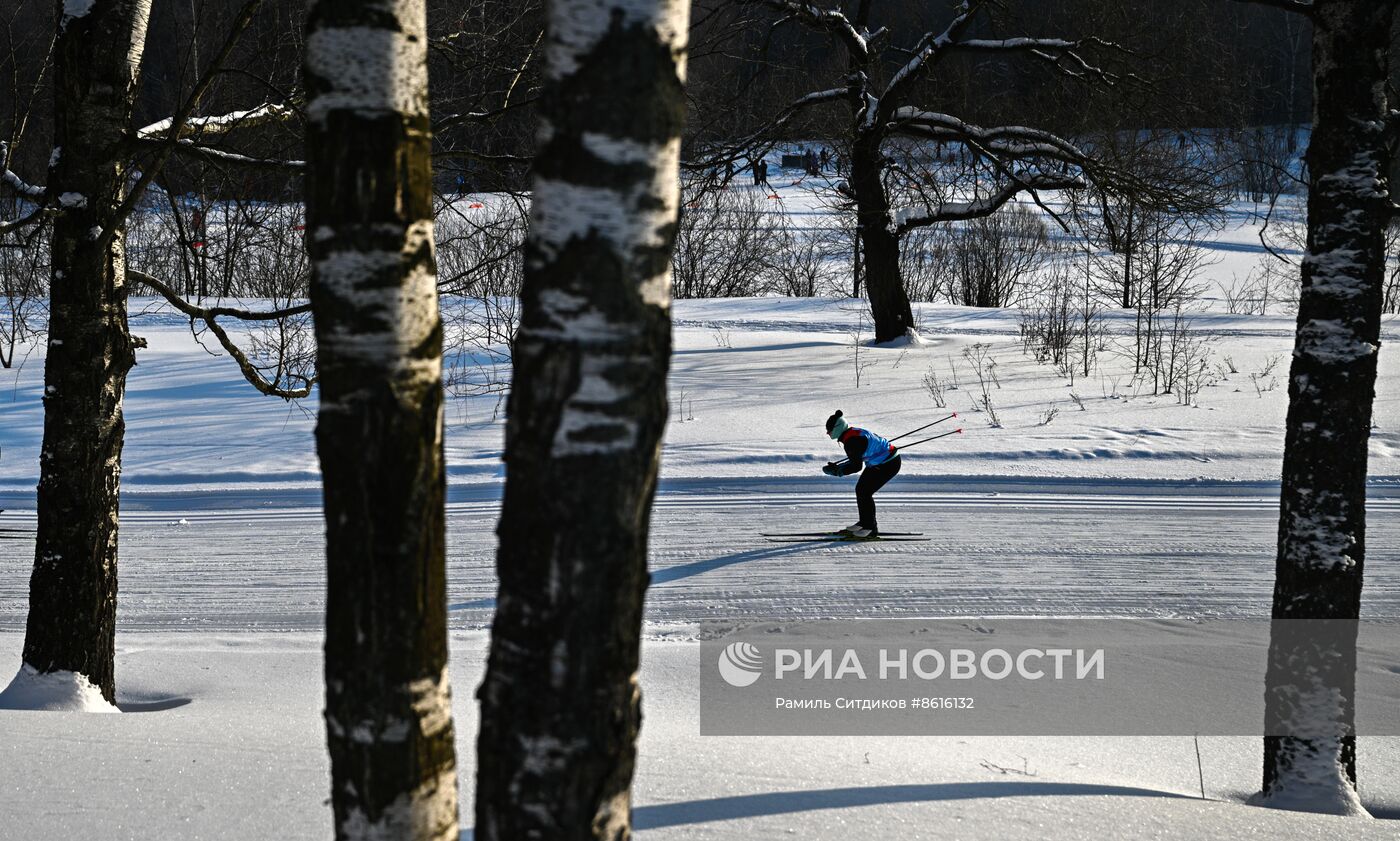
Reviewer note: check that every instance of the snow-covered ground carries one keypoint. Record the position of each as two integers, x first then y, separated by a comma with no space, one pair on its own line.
1134,505
224,739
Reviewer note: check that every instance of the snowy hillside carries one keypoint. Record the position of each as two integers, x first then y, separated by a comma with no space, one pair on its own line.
751,383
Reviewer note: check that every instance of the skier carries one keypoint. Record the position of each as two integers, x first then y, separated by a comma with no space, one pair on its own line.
864,450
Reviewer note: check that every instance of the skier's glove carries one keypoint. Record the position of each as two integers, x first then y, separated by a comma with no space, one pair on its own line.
832,469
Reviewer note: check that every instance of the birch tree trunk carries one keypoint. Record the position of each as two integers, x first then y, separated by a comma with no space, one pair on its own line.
379,432
560,704
1321,546
73,589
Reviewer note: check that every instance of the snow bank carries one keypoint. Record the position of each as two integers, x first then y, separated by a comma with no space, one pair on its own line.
911,338
53,692
1333,799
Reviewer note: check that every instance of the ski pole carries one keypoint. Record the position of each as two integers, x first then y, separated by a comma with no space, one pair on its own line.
933,438
922,428
912,431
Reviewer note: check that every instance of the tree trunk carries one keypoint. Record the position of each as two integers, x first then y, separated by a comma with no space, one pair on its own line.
1322,521
379,435
857,268
560,704
889,305
1127,299
73,590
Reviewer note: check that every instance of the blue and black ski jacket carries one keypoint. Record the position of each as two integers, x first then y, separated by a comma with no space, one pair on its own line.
864,447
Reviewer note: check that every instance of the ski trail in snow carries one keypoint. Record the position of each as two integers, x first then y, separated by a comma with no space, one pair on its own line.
1033,553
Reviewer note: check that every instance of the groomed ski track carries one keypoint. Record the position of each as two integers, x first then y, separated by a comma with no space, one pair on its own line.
992,547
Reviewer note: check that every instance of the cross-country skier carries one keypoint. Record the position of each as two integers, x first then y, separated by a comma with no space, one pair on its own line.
878,457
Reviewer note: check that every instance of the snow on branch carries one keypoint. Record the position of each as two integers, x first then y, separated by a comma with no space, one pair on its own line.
268,112
1002,146
1063,54
906,219
12,180
1015,44
183,115
474,155
453,120
507,96
1010,141
832,20
27,219
23,188
924,55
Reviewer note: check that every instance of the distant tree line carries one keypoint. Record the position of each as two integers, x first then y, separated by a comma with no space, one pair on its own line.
1210,64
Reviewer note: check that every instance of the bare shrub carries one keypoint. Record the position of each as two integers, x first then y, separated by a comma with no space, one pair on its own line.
1063,326
1390,292
480,269
233,248
727,243
24,269
979,357
936,387
1264,379
803,262
993,257
1266,154
926,263
1179,352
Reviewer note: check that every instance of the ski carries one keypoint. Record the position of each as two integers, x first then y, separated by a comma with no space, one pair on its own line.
833,538
836,534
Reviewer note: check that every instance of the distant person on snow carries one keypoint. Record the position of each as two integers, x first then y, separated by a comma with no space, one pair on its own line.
760,174
879,459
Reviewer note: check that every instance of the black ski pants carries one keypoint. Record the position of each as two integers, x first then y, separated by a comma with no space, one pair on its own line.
872,479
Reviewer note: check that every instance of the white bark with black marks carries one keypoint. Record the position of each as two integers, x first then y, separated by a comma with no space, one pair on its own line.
560,705
379,435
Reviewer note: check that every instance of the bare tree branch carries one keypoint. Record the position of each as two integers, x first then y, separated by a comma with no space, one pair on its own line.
734,150
28,219
907,220
187,146
177,124
210,315
831,20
